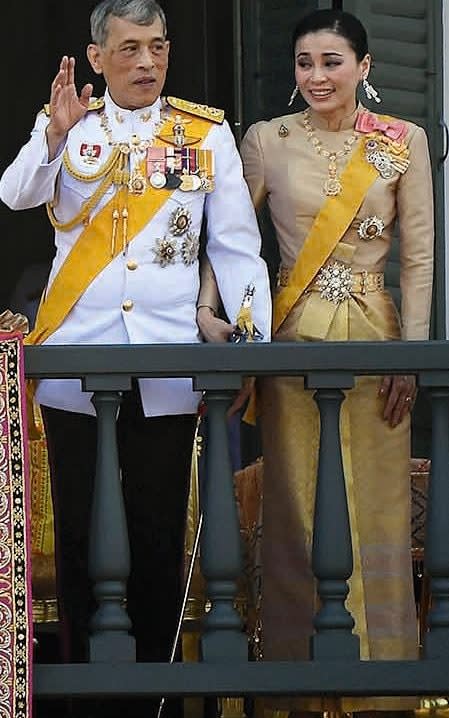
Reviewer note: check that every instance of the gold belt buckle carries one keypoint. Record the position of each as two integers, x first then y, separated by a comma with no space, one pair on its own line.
335,282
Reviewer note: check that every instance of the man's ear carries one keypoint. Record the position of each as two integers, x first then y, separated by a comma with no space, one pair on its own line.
94,57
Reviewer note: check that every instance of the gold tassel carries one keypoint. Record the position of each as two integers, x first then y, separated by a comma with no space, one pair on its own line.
115,219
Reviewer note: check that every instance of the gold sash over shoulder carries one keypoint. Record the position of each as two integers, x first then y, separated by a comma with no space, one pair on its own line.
330,225
92,251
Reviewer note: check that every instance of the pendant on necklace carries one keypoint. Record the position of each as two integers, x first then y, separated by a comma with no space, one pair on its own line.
332,187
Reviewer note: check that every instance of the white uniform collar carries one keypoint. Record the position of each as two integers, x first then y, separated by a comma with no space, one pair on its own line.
141,121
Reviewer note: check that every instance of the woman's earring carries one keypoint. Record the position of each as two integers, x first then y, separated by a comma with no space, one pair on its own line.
293,96
370,91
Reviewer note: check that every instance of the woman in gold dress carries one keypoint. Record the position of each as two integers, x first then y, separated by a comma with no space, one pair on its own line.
336,178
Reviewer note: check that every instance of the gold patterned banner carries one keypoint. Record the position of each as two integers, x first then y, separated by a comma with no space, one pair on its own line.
16,640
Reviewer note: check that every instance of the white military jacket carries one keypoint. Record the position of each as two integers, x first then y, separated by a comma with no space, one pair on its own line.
136,300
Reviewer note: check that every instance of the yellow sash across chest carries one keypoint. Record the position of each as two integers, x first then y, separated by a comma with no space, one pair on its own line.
330,225
93,250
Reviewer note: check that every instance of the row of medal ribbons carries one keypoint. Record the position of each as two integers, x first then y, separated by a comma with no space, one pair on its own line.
181,168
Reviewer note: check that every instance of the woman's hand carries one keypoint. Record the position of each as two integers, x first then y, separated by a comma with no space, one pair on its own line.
211,327
400,394
66,108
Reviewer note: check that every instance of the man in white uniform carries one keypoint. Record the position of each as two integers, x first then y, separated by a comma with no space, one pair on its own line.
127,180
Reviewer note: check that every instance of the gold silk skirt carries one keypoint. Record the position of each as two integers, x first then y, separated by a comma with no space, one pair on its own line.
42,529
376,465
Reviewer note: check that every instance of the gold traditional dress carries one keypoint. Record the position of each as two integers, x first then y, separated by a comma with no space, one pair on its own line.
333,253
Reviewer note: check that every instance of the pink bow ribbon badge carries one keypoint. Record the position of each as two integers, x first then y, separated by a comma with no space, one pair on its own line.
368,122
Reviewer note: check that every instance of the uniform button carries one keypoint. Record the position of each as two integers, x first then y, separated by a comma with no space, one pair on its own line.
132,264
127,305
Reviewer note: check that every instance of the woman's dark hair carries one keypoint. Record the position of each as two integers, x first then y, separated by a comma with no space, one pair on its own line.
338,21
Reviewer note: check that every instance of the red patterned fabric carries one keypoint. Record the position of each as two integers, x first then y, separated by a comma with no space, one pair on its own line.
16,640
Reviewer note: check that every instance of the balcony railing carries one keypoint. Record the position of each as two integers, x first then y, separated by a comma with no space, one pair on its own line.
335,667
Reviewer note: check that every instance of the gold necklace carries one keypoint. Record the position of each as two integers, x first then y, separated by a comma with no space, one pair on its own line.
135,144
332,186
137,180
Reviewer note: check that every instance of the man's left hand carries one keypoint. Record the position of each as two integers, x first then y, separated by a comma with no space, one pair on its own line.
211,327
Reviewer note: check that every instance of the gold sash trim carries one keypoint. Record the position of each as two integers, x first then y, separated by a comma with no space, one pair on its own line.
329,226
92,252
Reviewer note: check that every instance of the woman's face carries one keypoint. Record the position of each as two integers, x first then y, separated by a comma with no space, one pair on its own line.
327,72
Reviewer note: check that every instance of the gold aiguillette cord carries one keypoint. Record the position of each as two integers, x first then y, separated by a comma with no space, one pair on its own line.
125,230
121,178
115,219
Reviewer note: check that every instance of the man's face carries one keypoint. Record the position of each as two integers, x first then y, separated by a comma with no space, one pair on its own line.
134,62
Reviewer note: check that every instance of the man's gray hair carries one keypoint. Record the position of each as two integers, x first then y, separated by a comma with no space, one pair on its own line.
141,12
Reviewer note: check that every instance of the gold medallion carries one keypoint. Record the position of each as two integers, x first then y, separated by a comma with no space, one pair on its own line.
332,187
187,183
165,251
370,228
180,221
137,182
190,249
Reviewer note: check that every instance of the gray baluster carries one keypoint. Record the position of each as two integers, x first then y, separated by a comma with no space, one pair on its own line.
332,551
109,560
437,533
221,555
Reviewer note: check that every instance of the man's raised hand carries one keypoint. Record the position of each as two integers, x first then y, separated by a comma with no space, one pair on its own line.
66,107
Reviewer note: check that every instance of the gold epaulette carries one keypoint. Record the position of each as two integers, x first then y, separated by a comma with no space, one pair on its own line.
193,108
96,103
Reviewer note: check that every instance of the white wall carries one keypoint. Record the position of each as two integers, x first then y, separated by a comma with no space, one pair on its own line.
446,117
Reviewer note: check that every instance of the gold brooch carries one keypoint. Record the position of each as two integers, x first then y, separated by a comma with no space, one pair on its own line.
370,228
335,282
165,251
180,221
387,157
190,249
137,183
179,138
283,131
